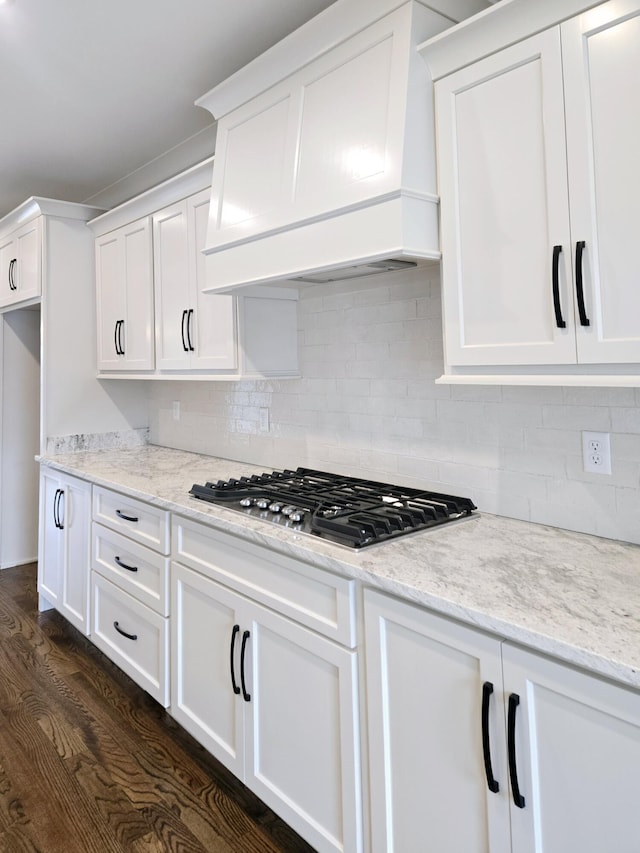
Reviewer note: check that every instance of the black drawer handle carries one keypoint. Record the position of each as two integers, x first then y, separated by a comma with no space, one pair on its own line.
234,633
124,633
56,502
518,799
560,323
492,784
120,514
584,320
246,696
124,565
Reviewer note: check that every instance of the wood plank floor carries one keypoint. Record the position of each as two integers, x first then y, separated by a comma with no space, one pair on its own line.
89,763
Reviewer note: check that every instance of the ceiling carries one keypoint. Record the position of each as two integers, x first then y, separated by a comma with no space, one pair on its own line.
92,90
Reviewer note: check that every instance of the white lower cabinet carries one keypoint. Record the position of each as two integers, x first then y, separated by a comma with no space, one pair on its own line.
274,701
560,747
64,555
129,588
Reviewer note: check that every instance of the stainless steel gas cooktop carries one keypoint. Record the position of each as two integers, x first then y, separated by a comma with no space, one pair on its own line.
345,510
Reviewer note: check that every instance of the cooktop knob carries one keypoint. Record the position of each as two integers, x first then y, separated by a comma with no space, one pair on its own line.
262,503
287,510
297,515
246,501
275,507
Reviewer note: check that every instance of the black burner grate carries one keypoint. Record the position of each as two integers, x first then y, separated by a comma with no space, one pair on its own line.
347,510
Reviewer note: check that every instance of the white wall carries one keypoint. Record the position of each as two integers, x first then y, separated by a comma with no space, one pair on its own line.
367,405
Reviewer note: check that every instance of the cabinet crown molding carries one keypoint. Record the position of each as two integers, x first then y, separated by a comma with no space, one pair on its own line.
37,206
168,192
493,29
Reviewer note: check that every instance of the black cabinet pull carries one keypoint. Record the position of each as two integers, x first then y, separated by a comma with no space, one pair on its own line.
487,690
560,323
246,696
12,270
117,337
234,633
120,514
185,346
518,799
124,633
56,500
584,320
190,329
122,565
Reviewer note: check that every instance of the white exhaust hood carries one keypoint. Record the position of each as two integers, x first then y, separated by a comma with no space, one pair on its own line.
325,156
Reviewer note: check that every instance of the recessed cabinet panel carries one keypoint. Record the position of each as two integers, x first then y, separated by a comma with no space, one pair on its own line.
577,751
504,208
602,77
21,264
258,135
340,145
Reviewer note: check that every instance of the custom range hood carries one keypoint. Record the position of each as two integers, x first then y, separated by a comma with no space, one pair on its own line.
325,156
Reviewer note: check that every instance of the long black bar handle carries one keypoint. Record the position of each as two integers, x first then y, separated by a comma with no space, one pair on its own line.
246,696
56,498
584,320
115,337
518,799
12,277
560,323
124,633
234,634
120,344
492,783
120,514
185,346
122,565
190,329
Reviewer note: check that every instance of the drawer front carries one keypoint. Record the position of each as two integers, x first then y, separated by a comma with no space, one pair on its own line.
143,655
138,570
136,519
313,597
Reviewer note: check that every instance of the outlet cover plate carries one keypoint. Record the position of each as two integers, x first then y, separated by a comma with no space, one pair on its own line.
596,452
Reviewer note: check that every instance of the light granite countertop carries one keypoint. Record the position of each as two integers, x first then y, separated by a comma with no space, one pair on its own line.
573,596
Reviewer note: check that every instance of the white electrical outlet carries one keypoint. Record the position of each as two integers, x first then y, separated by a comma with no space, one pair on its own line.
176,410
596,452
264,420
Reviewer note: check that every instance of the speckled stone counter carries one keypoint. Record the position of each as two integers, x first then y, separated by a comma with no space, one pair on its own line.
572,596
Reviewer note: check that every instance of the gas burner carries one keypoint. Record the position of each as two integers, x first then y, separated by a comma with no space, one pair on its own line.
345,510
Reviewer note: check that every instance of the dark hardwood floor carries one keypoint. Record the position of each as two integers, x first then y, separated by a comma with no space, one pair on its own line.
89,763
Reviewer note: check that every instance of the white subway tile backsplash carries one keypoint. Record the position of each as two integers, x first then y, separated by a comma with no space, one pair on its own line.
367,404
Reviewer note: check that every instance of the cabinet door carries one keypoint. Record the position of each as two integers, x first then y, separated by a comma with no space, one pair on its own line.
425,690
203,640
20,264
602,78
504,207
212,324
74,514
51,540
124,267
302,746
577,754
171,283
110,299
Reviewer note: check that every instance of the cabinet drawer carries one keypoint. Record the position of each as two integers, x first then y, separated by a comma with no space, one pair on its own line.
143,655
315,598
138,520
138,570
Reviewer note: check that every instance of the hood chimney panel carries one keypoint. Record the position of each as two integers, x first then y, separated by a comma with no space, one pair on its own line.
333,165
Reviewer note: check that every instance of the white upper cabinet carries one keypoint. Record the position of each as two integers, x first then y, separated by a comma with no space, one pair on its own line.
154,321
21,264
193,330
539,195
124,282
